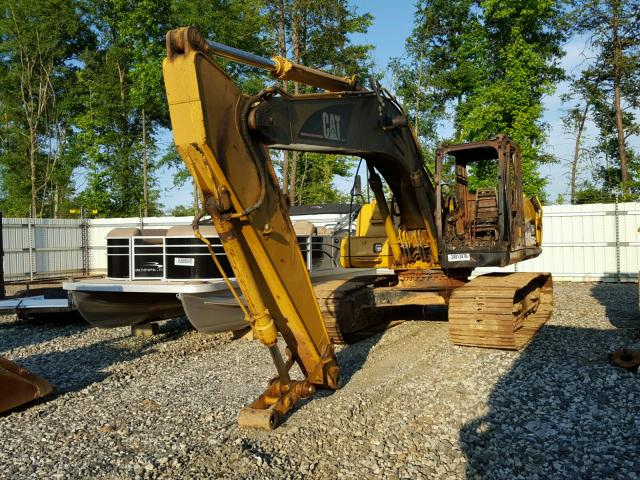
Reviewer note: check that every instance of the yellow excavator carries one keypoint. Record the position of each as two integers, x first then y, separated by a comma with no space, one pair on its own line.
429,235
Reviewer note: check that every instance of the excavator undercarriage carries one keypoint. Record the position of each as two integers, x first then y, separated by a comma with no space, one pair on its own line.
500,310
491,311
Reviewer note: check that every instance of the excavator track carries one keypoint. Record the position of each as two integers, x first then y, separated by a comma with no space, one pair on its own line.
500,310
356,308
348,306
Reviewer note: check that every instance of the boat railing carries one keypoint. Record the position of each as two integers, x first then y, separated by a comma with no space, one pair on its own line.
183,258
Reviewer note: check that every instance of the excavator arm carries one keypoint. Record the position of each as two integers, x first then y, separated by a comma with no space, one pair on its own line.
240,192
367,124
223,135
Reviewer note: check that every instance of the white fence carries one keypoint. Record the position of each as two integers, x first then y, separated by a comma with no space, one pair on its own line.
598,242
44,248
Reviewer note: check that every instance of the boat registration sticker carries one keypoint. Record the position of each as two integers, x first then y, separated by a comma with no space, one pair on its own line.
184,262
459,257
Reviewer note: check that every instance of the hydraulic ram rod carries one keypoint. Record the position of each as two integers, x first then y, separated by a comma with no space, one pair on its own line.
240,56
188,37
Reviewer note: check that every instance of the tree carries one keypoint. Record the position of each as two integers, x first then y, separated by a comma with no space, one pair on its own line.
39,46
239,24
171,160
315,178
587,192
121,91
574,121
584,94
316,34
438,66
613,26
488,64
183,211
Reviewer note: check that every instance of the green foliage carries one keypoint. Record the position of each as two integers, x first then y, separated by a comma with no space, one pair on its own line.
612,27
92,72
316,33
443,54
324,28
486,65
590,193
315,178
182,211
121,81
239,23
39,44
171,160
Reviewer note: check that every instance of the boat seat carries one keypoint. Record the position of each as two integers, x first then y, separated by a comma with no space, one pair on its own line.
153,232
123,233
208,231
303,228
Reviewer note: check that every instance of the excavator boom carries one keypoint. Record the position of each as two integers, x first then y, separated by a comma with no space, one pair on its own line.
240,192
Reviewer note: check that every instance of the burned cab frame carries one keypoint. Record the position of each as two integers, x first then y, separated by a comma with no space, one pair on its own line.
485,225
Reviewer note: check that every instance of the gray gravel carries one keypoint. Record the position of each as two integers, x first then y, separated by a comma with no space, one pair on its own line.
412,406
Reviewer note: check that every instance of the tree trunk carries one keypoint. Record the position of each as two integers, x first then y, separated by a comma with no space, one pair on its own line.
196,206
576,152
617,103
56,193
145,165
417,125
620,128
305,158
282,44
295,155
456,121
32,165
295,38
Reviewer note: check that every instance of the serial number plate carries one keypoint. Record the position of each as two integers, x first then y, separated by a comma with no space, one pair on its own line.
459,257
185,262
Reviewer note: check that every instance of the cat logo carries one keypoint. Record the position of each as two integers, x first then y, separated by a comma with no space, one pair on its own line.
331,126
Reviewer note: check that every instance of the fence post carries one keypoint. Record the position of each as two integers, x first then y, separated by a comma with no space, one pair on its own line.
3,292
30,240
309,252
84,226
617,223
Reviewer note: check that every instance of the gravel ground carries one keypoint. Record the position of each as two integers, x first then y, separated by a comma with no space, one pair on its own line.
412,406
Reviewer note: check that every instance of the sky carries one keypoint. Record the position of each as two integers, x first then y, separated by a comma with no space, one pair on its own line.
392,24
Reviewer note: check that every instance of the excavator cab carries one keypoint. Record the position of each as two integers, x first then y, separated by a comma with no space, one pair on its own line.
484,219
